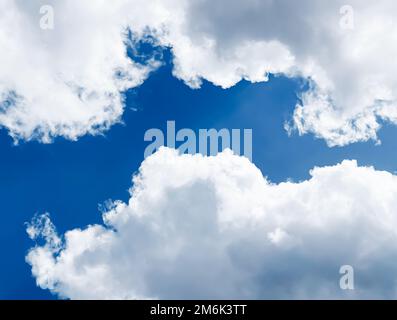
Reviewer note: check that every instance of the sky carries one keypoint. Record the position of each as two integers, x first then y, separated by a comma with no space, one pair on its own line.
77,162
70,179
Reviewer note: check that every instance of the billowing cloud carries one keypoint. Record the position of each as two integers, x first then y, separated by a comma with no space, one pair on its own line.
214,227
345,52
67,81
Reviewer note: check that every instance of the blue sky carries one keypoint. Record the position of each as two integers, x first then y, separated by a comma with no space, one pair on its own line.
70,179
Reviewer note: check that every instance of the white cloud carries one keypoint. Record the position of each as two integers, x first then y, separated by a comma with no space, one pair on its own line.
66,81
66,84
351,72
214,227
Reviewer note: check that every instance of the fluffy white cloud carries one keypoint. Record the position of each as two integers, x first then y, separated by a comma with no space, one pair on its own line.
67,81
351,73
214,227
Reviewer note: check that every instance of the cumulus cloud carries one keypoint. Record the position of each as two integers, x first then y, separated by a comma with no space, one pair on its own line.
215,227
67,81
350,71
